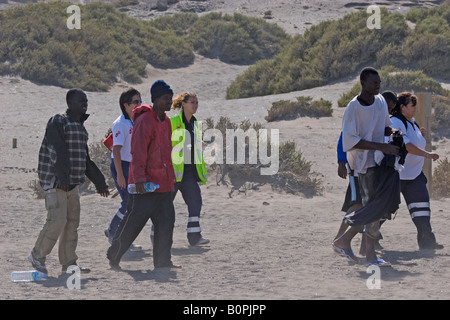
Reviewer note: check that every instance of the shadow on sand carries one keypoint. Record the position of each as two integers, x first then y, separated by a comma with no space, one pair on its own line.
402,258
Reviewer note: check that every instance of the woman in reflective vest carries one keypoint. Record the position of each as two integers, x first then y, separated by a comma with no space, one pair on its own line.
188,162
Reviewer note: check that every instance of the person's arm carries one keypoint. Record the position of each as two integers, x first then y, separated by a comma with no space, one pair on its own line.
420,152
386,148
119,131
118,165
96,176
342,159
139,146
350,140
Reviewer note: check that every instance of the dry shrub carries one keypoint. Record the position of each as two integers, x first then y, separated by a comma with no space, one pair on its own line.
294,174
441,179
302,107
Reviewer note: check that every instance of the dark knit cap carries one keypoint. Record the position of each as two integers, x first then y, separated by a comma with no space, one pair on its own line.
159,88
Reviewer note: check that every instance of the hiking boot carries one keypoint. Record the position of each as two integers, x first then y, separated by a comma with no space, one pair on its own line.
39,266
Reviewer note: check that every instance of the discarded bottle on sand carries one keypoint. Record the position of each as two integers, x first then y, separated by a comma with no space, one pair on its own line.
27,276
149,187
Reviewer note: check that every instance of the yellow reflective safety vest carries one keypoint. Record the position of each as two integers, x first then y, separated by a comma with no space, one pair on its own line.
179,133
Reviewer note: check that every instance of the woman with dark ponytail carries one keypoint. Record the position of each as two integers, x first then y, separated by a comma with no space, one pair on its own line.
412,179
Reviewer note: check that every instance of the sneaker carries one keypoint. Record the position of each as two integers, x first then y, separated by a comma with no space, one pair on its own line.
114,266
39,266
135,247
170,265
201,242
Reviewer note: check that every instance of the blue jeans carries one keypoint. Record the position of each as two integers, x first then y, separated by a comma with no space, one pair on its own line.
123,195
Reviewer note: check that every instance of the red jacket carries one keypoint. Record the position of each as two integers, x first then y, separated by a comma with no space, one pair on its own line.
151,150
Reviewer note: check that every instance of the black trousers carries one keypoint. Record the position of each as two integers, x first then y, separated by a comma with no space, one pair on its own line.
157,206
192,196
417,199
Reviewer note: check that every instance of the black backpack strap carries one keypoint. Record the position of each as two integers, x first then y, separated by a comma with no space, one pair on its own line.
405,121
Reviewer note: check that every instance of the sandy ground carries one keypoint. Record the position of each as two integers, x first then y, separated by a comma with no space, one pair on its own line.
265,244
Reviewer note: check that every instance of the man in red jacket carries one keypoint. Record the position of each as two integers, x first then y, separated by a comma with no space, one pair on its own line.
151,149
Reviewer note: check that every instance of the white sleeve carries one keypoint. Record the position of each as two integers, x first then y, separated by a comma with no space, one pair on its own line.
350,136
119,133
398,125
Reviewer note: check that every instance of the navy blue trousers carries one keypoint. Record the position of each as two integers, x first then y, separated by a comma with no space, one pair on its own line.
123,195
190,190
417,199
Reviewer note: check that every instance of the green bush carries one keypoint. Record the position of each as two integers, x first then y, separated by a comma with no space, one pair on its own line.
36,44
440,123
334,49
236,38
180,23
303,107
327,51
425,48
398,80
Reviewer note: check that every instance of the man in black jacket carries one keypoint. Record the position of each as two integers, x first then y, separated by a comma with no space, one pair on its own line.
63,165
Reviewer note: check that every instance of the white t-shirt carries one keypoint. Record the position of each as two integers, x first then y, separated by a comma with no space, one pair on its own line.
411,134
122,130
363,123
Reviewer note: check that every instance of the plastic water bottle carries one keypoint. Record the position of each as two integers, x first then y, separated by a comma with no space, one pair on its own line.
149,187
27,276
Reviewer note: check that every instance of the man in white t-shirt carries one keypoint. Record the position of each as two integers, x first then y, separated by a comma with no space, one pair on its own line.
364,125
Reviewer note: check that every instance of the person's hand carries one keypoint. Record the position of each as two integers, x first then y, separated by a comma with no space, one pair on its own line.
433,155
390,149
104,193
423,131
140,188
64,187
121,181
388,131
342,170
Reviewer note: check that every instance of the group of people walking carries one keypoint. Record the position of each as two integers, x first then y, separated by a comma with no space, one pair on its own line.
369,120
147,146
